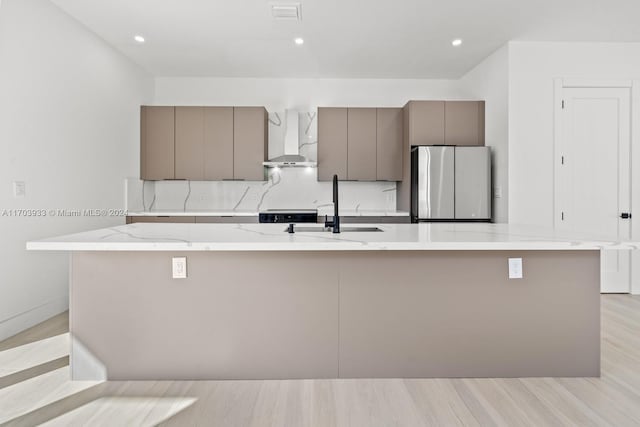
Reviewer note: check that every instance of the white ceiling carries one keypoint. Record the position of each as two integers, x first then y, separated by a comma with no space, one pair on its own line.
343,38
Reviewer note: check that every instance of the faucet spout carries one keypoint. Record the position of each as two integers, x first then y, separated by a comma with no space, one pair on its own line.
335,224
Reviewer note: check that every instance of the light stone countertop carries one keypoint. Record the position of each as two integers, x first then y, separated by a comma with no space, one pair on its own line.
272,237
229,212
217,212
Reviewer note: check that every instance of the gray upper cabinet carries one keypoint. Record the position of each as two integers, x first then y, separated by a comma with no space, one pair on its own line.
425,122
218,143
189,152
437,123
157,143
389,144
332,143
361,144
445,122
464,123
250,142
203,143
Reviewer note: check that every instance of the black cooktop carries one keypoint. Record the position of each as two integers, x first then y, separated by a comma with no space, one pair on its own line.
288,215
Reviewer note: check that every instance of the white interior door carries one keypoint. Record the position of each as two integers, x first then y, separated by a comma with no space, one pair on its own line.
595,173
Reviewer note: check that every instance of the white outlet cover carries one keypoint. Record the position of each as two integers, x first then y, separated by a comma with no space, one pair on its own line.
179,267
515,268
19,189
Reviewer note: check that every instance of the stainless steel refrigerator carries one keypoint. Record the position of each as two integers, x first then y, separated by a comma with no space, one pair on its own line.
450,183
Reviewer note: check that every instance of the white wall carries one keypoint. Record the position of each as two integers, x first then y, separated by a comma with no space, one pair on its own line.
69,128
532,69
489,80
303,94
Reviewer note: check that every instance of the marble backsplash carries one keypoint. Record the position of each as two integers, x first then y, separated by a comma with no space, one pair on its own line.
295,188
286,188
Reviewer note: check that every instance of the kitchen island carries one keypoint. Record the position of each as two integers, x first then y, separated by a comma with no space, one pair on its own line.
412,300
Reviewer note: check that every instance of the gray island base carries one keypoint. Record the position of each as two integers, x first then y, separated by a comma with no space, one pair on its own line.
334,314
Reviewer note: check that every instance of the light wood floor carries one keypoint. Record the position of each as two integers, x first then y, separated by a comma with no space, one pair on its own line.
43,394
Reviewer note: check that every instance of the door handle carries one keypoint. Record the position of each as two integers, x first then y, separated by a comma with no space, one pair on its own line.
625,215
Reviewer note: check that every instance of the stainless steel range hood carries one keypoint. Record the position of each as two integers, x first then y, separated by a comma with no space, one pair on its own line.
291,157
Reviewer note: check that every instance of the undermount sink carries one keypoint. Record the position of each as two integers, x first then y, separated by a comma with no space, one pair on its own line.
342,229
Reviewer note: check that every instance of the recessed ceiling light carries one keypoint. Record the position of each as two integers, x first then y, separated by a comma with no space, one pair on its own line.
299,41
139,38
456,42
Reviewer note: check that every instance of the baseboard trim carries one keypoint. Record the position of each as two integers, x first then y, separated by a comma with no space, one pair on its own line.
22,321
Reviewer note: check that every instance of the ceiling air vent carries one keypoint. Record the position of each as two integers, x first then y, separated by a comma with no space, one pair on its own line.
288,11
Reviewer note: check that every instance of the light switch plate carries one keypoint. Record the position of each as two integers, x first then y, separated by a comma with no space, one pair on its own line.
19,189
179,267
515,268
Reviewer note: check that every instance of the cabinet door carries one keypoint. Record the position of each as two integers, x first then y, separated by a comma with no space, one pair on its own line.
189,152
227,219
464,123
361,144
162,219
157,143
250,142
332,143
218,143
426,122
389,144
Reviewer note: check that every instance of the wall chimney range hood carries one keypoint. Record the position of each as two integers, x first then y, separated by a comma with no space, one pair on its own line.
291,157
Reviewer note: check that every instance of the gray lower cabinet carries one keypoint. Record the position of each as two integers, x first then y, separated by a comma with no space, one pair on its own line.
157,143
370,219
162,219
332,142
195,219
329,314
227,219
